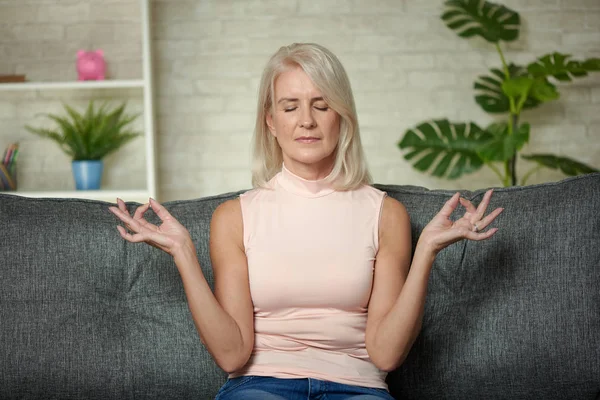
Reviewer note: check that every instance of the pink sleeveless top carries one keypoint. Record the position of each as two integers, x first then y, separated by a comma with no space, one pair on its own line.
311,253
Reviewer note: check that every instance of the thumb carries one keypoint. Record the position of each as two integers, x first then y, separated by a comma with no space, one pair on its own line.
450,205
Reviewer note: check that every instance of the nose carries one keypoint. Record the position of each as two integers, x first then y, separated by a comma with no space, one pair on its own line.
307,120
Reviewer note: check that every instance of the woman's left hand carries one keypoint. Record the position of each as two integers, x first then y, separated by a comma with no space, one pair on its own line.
441,232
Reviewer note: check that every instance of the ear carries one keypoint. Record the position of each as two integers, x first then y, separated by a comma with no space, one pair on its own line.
269,121
80,53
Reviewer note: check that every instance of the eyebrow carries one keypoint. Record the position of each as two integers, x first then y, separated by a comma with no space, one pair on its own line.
292,99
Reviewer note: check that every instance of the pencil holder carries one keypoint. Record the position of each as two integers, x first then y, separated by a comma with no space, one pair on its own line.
8,180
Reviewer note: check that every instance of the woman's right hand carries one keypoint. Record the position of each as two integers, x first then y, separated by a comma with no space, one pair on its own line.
170,236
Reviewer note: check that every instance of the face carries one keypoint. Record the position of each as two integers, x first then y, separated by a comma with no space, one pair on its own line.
305,127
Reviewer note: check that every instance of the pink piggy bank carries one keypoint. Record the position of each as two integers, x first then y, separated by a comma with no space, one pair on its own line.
91,65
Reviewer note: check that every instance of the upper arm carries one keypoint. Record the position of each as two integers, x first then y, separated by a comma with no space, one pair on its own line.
392,262
230,268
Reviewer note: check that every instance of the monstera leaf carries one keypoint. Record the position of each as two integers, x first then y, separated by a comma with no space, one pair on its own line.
502,146
456,144
543,90
560,67
493,22
490,94
522,87
567,165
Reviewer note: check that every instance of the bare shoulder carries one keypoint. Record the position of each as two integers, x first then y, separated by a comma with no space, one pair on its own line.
393,207
228,213
226,222
230,209
394,217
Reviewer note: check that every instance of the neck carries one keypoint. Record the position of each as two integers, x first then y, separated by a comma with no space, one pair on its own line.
301,186
311,172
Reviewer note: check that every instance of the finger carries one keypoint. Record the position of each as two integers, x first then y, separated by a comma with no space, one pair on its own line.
488,219
139,212
121,205
117,212
468,206
124,234
131,224
477,236
484,204
122,215
139,216
152,238
450,205
133,238
162,212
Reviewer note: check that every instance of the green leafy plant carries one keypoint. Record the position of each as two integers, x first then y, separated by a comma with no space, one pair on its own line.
91,135
450,149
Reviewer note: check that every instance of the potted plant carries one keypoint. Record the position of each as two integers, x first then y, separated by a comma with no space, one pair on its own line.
459,148
87,138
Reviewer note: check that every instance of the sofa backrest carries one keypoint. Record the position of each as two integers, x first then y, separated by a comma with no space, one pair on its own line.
516,316
84,314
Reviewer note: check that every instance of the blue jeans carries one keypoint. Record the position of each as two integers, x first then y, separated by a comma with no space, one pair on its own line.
269,388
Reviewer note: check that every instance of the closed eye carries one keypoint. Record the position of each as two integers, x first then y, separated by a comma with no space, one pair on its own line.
290,109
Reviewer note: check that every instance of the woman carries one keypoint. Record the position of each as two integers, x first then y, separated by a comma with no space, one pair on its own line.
316,290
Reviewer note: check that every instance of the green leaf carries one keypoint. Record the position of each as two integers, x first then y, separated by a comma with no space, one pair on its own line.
77,136
544,91
503,146
591,64
560,67
497,129
567,165
493,22
92,135
517,87
490,94
455,145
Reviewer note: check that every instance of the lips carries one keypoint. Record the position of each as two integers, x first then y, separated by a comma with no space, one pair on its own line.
307,139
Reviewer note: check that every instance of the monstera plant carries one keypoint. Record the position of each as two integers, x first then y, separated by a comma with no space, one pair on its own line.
453,149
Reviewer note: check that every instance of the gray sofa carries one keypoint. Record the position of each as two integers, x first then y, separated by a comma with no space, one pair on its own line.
84,314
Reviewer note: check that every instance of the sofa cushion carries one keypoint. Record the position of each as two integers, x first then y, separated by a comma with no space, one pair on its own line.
85,314
517,316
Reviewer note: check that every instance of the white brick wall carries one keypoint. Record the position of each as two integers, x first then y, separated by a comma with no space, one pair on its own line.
404,64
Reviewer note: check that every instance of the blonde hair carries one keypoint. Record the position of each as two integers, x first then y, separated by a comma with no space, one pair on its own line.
328,75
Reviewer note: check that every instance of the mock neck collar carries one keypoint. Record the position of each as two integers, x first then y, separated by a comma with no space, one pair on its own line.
304,187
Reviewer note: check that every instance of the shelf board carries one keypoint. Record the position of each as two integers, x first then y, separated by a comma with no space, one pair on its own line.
104,195
105,84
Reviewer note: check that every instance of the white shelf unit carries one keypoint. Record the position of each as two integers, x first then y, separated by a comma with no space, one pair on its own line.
146,85
106,84
140,196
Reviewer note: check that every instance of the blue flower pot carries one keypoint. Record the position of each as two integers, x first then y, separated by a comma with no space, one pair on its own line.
87,174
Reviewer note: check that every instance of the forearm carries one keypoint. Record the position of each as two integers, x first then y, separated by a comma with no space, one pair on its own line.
217,329
398,329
